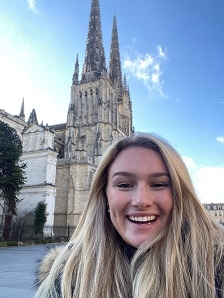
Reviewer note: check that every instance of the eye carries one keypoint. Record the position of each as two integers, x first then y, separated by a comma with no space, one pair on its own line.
124,185
159,185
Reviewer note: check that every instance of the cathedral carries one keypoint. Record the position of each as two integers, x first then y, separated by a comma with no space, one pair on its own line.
62,159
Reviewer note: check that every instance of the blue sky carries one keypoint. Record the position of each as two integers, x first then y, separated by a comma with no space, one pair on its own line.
172,55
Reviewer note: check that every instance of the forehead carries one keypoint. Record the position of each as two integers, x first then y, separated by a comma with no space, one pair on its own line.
138,159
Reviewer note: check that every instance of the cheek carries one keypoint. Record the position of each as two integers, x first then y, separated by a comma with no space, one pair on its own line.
170,200
165,203
112,198
116,200
169,205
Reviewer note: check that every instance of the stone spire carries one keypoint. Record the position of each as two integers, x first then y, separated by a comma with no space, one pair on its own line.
115,62
75,78
32,117
22,113
125,83
95,63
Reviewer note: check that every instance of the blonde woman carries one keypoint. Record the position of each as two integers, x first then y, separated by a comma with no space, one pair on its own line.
143,232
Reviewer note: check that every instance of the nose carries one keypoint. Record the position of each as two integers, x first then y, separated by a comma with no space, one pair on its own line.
142,198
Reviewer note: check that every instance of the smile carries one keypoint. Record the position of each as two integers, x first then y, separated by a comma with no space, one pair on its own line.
142,219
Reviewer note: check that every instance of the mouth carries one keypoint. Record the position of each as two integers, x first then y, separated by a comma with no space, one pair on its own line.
143,219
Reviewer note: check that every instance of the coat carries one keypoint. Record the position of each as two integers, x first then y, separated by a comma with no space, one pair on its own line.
45,265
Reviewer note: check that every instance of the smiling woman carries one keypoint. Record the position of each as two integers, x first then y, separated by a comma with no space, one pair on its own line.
142,234
139,195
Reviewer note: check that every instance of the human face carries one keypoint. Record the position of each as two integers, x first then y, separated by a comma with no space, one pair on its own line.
139,195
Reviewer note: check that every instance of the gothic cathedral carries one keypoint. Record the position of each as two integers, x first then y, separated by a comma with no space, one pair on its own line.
62,159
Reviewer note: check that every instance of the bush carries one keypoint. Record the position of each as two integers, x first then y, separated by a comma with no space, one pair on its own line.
12,243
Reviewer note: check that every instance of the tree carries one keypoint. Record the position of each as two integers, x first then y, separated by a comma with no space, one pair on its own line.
12,173
22,224
40,217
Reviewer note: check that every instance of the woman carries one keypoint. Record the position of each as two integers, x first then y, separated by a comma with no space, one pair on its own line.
142,234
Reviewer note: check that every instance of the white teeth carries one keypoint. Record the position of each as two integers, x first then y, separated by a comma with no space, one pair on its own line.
142,218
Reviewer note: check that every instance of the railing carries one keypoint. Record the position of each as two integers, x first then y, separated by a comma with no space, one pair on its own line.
28,232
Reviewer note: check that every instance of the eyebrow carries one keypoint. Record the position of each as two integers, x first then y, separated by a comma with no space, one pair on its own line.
151,175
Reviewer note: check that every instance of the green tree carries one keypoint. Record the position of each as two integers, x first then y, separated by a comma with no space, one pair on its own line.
40,217
12,173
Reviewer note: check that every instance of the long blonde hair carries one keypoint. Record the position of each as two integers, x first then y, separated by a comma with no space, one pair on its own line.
181,262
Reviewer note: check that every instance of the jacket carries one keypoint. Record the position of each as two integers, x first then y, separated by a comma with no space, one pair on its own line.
45,265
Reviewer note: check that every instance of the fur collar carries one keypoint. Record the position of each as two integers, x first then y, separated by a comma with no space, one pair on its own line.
44,265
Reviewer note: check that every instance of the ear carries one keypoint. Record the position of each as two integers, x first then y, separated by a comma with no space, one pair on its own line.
108,207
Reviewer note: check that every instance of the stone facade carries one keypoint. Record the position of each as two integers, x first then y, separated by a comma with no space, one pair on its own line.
62,159
216,210
41,159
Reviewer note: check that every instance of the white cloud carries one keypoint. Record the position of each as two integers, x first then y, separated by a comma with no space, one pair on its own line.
208,181
32,5
161,53
189,162
146,67
210,184
220,139
192,168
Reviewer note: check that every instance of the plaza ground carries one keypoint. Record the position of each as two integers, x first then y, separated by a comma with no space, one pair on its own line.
17,270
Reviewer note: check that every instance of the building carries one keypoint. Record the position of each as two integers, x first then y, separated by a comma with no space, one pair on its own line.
62,159
216,210
41,159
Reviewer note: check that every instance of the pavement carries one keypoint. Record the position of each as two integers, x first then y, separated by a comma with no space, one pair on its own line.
17,270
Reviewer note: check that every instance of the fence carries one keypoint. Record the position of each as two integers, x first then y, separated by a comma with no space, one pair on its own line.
18,232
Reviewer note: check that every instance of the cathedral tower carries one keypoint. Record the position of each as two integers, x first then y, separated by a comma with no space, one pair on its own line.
99,113
95,62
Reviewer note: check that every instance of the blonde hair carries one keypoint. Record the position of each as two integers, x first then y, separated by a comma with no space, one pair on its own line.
181,262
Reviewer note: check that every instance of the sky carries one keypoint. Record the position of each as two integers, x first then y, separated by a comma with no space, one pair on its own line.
172,53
